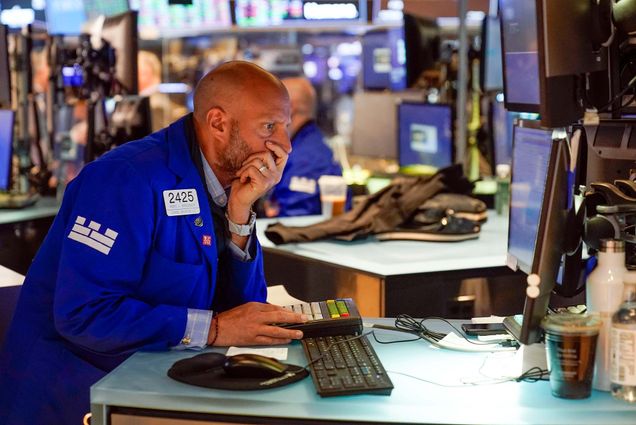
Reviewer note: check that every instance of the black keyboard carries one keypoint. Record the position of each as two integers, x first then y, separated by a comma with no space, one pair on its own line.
349,366
331,317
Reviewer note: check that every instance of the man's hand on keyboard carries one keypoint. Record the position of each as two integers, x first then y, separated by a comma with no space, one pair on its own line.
251,324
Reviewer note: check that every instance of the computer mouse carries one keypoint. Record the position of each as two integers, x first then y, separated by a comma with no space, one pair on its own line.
253,366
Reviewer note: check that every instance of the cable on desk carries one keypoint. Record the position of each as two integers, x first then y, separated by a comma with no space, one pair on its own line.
408,324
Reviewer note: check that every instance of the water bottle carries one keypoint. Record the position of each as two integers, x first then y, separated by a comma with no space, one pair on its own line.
623,344
604,294
502,196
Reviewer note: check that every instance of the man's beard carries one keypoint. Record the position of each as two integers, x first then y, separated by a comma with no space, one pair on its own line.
232,159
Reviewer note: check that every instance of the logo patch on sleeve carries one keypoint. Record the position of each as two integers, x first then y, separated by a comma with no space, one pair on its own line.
90,235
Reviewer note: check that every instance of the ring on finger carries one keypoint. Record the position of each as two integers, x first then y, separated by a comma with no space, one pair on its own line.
262,168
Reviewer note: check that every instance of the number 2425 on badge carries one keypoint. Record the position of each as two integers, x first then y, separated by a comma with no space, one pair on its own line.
181,202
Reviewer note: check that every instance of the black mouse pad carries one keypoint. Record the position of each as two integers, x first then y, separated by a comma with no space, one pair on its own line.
206,370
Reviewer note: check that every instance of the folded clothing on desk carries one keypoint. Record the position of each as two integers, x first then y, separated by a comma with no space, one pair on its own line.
390,208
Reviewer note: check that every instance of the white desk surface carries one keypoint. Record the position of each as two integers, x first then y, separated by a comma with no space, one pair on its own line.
10,278
141,382
44,207
391,258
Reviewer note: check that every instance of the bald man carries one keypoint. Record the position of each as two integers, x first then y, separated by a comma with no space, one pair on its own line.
297,193
153,249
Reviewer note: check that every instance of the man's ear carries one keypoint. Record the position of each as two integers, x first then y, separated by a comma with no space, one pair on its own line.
216,119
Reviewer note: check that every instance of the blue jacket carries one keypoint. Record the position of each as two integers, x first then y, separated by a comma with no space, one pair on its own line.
89,303
310,159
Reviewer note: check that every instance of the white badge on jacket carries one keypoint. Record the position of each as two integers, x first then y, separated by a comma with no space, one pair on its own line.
181,202
302,184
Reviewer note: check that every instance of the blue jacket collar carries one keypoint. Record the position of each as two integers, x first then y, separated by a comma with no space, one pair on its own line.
179,159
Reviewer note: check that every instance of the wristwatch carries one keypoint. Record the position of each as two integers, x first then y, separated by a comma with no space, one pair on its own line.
242,229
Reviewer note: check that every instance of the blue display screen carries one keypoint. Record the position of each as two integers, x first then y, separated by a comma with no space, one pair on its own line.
521,56
425,134
384,60
6,145
65,17
530,160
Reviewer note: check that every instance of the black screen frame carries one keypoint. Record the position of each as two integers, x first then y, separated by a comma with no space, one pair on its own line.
5,69
121,32
551,238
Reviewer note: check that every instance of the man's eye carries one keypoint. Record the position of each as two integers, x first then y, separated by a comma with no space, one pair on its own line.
269,127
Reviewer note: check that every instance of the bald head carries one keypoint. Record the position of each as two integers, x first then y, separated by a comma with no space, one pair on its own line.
303,98
232,84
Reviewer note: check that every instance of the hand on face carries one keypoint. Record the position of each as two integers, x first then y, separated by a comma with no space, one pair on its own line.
260,171
251,324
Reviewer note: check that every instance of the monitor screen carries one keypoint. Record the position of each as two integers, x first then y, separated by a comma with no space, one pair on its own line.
491,72
6,148
374,130
65,17
539,207
383,60
530,159
158,18
259,13
425,134
520,55
254,13
95,8
5,74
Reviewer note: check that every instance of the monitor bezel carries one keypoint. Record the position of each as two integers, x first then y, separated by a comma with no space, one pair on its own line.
398,110
5,96
549,247
489,22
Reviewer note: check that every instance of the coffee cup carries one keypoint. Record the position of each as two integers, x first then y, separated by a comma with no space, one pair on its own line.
570,341
333,195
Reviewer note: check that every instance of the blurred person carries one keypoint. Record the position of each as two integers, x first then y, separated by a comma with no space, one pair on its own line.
298,193
163,110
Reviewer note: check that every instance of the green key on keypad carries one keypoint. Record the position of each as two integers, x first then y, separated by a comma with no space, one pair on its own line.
333,310
342,308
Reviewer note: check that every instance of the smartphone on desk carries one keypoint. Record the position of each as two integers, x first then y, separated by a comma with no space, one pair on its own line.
477,329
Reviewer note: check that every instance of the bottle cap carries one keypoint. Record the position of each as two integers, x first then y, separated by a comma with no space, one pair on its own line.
612,245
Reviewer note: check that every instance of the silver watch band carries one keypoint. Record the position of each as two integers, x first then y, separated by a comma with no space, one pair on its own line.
242,229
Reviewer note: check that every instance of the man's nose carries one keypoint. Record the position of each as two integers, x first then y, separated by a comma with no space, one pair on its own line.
283,140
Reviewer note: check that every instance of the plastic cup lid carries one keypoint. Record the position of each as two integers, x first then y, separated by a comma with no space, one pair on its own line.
571,323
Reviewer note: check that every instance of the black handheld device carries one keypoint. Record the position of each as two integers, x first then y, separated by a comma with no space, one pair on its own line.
476,329
339,316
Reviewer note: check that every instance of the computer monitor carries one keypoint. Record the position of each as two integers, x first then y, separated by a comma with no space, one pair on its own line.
158,18
375,122
422,46
490,67
96,8
546,45
65,17
539,205
5,72
6,148
121,32
261,13
425,134
383,61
